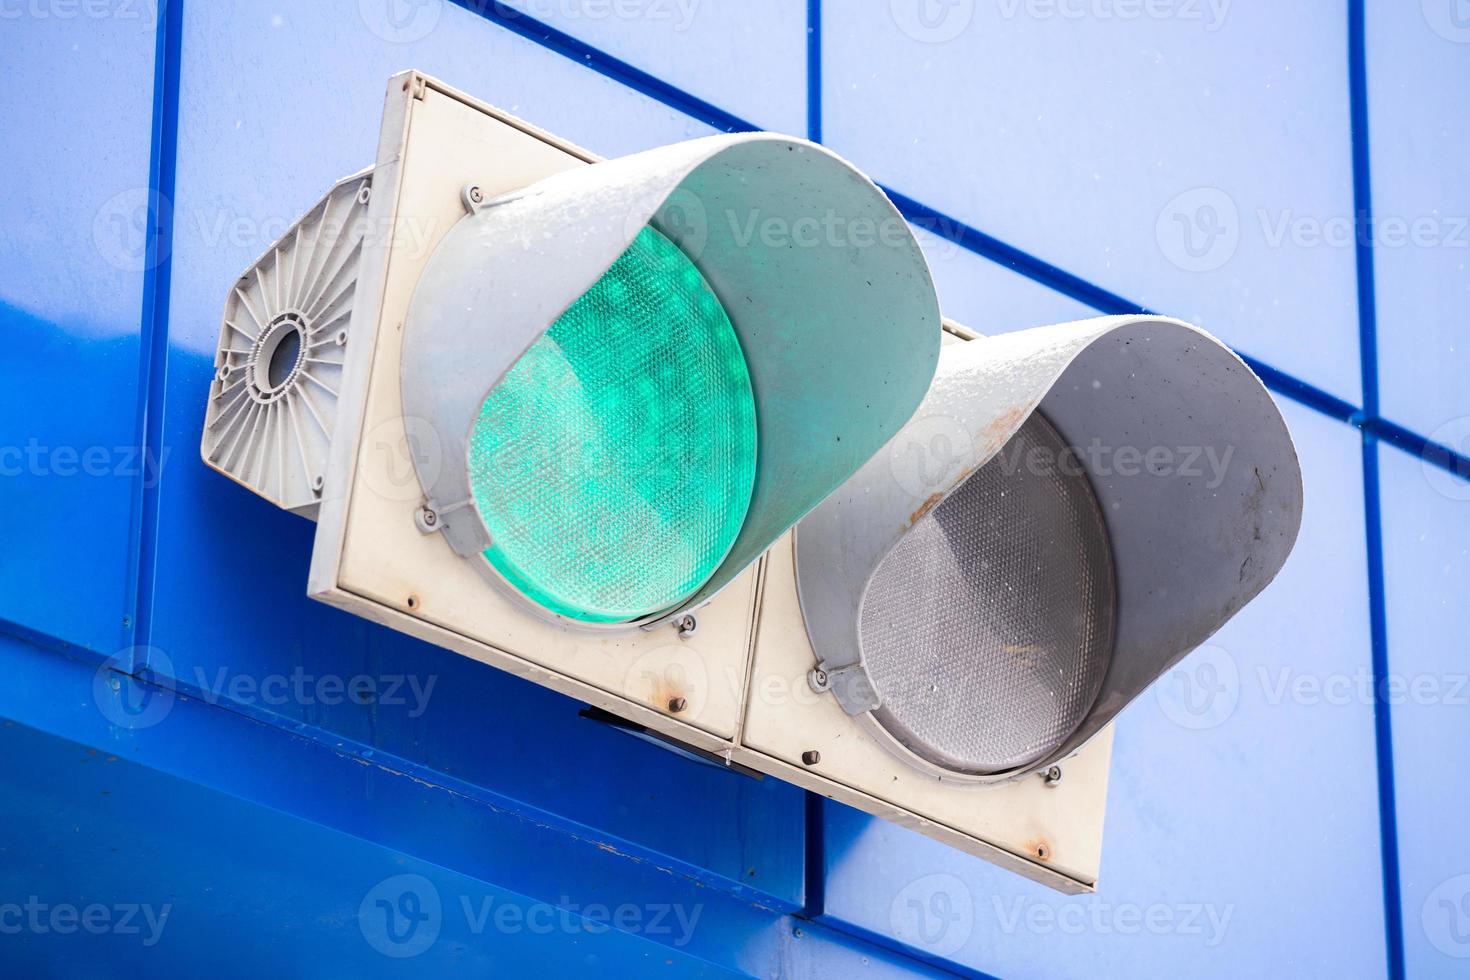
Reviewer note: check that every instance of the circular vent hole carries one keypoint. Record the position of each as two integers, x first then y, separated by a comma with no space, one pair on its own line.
283,358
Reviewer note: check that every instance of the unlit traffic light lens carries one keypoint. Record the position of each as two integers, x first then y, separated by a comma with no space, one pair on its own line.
613,465
988,629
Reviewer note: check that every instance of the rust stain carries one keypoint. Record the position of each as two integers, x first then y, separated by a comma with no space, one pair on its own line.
935,498
994,438
666,694
1000,428
926,507
1039,848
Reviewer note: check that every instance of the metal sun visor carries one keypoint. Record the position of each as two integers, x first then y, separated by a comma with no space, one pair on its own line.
1070,511
840,331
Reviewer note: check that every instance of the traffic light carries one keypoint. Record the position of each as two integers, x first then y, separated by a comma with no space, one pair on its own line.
634,376
1070,511
561,415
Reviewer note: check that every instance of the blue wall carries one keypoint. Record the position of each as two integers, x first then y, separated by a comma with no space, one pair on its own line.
1292,177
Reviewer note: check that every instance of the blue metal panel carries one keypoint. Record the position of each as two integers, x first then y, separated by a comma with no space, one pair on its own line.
247,166
988,297
73,218
1426,540
1421,203
1097,141
293,843
215,884
713,51
1240,809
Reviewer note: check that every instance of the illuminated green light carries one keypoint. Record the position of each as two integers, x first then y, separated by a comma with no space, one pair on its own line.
613,465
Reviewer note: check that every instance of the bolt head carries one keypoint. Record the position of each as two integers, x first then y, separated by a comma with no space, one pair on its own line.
811,757
677,705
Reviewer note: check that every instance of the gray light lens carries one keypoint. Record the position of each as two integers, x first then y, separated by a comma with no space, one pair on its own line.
987,630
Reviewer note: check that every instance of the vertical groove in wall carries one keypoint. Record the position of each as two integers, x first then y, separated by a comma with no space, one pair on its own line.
814,70
814,891
1372,501
153,324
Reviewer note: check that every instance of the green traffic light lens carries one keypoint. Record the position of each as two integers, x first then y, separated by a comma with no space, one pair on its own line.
613,465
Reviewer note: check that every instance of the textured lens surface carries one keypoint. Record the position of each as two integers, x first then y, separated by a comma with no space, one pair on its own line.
988,629
613,465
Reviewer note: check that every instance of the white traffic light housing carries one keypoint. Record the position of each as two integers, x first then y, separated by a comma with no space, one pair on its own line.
561,415
687,405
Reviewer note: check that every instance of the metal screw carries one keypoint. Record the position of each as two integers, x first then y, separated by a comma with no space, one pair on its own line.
811,757
476,195
677,705
687,626
817,679
430,518
1053,775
